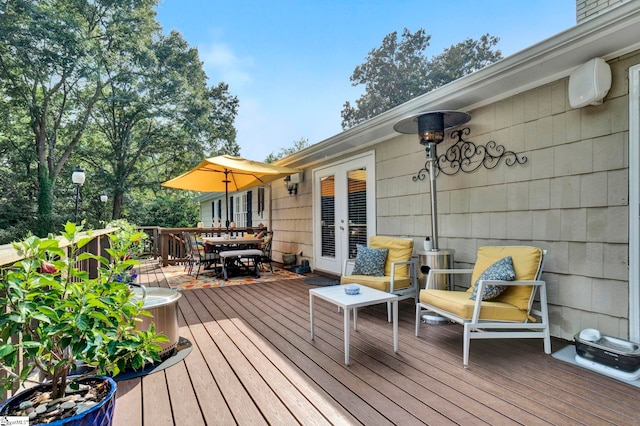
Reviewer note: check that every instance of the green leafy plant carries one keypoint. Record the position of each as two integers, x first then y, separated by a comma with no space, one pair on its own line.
128,237
58,315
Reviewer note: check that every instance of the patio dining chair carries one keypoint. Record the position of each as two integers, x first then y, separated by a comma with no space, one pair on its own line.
499,303
199,256
188,253
386,265
266,251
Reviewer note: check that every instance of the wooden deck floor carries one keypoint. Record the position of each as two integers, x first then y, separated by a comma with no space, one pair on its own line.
253,363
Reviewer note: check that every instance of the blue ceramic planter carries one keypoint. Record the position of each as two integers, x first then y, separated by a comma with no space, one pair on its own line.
99,415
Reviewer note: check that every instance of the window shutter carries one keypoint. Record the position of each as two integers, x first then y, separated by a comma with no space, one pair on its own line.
261,194
249,213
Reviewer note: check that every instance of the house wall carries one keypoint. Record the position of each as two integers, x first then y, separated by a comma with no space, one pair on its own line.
571,198
292,220
207,217
586,9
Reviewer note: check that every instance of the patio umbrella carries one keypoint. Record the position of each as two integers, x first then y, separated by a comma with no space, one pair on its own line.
225,173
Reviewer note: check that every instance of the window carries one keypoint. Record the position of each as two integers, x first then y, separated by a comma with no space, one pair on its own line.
327,216
357,209
240,210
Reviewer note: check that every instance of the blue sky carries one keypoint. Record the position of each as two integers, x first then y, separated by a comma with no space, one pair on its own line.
289,62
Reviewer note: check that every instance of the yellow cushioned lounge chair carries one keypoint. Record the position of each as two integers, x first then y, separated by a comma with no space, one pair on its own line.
399,270
509,315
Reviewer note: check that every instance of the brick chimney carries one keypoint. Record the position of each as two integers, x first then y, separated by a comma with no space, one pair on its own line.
587,9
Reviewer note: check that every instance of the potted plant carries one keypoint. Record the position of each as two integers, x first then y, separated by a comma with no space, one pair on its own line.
59,318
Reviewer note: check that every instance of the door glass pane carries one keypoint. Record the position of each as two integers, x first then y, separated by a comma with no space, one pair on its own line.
357,197
328,216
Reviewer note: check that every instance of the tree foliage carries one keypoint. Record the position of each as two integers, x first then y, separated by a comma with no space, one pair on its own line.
54,65
298,145
168,209
399,71
95,83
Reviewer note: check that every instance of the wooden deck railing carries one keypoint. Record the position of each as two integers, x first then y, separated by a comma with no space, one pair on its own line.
9,255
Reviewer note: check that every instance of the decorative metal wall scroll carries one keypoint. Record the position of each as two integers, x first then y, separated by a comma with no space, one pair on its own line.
468,157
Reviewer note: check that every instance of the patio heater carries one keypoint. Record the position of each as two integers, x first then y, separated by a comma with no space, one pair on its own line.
430,127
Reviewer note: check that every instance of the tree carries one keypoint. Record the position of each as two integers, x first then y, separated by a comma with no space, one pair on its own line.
399,71
53,63
462,59
298,145
18,196
171,209
160,110
223,113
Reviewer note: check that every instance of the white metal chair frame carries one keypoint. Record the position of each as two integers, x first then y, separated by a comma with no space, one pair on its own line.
475,328
410,292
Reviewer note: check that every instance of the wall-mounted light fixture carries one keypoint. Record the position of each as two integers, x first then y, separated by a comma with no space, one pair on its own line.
291,183
77,177
430,127
291,187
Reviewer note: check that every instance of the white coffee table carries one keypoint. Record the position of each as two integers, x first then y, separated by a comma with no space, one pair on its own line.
366,297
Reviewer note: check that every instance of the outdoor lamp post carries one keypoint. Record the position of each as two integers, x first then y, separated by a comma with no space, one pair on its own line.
103,200
77,177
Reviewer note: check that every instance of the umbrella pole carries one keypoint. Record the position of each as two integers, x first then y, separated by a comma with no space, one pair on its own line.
226,196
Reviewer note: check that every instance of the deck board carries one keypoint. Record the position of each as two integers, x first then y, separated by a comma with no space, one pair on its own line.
128,403
282,379
156,403
212,402
253,362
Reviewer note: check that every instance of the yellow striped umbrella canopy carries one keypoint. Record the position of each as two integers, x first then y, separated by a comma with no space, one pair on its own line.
228,173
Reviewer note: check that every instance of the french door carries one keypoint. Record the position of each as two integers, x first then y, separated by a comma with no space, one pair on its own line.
344,208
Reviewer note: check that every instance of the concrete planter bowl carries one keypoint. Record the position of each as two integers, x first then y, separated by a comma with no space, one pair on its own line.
288,259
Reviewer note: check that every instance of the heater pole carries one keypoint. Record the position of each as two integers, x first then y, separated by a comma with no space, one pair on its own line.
431,161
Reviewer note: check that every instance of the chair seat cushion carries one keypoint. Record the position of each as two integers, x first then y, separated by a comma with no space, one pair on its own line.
400,250
379,283
240,253
459,304
526,263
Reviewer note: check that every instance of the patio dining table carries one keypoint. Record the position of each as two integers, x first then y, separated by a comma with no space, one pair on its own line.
233,250
231,243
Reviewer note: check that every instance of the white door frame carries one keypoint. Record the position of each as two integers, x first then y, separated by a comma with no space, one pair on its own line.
366,159
634,203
